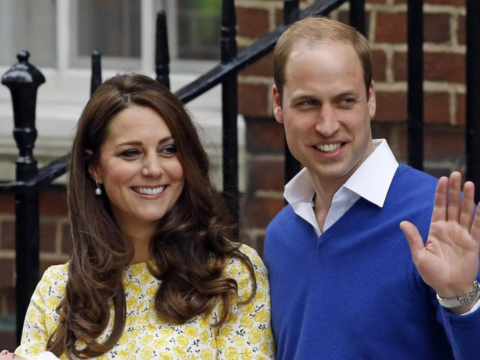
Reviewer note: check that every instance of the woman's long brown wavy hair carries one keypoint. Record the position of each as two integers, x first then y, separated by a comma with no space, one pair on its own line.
190,246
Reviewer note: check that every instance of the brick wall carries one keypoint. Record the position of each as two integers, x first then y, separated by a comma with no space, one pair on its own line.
386,31
54,249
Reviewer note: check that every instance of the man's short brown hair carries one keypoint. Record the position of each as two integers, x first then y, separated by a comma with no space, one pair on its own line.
317,29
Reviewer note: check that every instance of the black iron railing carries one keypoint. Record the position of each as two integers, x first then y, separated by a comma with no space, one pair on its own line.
23,80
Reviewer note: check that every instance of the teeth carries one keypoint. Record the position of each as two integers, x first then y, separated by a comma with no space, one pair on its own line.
329,147
149,191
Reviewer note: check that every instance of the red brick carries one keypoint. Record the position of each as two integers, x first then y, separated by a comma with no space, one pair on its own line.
262,211
263,67
266,173
437,28
391,106
53,201
440,143
7,203
399,66
278,17
264,136
66,239
253,99
7,269
437,108
7,228
48,234
259,244
461,110
379,60
444,67
391,28
252,23
462,32
8,340
8,295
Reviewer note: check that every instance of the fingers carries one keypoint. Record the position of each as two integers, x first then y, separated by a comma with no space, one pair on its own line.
475,232
468,205
414,240
454,197
440,204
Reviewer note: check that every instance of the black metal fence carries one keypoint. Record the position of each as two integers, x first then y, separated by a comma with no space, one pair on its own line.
23,80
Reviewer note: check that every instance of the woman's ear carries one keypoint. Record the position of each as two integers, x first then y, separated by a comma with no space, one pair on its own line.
93,166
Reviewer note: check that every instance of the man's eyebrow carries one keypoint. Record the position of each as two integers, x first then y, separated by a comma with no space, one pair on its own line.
139,143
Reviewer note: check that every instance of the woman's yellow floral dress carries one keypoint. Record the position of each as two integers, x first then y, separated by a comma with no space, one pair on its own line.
247,335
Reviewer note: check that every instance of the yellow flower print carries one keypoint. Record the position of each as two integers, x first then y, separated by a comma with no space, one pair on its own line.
247,322
255,336
144,317
261,295
242,284
57,276
182,341
165,356
123,339
128,286
247,354
136,331
102,357
264,348
226,330
221,343
143,305
233,271
204,337
31,316
145,278
146,353
203,322
231,353
136,290
233,318
62,289
131,347
238,340
36,336
191,331
206,354
136,270
131,303
262,316
151,291
131,320
35,350
41,319
160,343
52,302
123,354
146,339
151,327
248,309
179,353
166,332
268,334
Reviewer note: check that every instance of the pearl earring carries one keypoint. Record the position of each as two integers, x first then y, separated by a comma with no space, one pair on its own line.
98,190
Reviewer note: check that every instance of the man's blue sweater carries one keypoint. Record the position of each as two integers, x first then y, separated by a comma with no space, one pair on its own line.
354,292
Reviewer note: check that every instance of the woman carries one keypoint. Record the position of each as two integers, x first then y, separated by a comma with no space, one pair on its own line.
153,273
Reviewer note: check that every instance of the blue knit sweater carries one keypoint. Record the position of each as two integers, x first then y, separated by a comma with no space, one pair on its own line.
354,292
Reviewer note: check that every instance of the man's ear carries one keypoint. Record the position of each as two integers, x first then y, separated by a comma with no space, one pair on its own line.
93,166
372,101
277,105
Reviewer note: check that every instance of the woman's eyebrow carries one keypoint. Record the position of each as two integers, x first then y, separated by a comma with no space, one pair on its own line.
139,143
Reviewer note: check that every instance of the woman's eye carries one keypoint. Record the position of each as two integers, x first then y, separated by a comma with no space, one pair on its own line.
170,150
130,153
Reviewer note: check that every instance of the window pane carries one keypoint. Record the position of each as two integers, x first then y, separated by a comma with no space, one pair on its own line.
110,26
198,26
28,25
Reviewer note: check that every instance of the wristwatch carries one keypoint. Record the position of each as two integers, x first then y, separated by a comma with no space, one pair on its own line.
463,300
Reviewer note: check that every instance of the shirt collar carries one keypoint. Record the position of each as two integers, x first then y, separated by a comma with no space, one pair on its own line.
371,180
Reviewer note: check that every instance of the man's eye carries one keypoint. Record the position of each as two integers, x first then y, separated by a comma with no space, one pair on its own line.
130,153
308,103
348,101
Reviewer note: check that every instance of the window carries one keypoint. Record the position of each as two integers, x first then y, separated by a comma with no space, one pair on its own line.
29,25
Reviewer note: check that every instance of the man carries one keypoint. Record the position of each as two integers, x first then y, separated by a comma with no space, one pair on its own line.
345,284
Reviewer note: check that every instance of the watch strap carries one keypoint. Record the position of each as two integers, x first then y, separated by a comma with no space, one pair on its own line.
463,300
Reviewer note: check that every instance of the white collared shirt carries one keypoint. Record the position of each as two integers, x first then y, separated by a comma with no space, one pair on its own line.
370,181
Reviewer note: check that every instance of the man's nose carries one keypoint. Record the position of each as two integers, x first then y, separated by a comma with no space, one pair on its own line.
326,124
